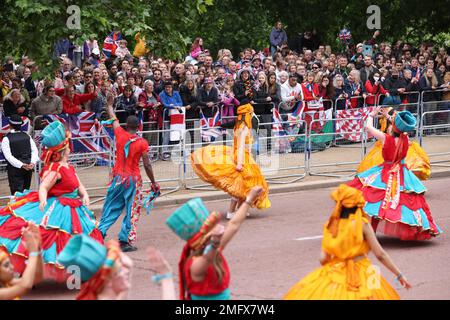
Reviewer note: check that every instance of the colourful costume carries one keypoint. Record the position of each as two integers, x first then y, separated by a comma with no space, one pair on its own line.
191,222
96,263
125,189
394,195
63,216
217,164
348,274
416,159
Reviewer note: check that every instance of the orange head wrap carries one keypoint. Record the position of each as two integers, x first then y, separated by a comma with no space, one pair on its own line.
244,114
346,197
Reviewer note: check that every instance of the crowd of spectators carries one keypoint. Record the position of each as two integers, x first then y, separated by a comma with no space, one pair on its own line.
203,83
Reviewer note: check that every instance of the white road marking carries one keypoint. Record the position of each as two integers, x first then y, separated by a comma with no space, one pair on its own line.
308,238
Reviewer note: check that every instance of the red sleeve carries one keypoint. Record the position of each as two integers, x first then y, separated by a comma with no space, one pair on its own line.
383,90
316,90
82,98
144,146
306,94
59,92
118,131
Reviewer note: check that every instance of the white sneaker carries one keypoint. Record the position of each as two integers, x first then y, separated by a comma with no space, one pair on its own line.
230,215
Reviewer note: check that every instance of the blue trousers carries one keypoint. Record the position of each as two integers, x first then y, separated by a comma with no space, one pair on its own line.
121,195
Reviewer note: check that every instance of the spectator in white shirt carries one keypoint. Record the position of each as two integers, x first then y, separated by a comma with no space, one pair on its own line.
291,93
21,155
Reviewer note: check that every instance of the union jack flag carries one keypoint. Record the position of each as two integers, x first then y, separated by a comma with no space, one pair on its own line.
5,128
345,35
208,126
111,43
296,116
282,143
88,136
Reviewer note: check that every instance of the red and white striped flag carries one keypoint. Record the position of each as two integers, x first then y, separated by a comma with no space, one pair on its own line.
349,123
177,123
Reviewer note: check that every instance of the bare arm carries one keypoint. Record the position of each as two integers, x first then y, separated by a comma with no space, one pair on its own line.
110,110
235,223
47,183
26,282
371,129
82,192
200,264
382,255
162,267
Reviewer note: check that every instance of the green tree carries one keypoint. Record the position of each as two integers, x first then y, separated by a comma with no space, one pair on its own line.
33,27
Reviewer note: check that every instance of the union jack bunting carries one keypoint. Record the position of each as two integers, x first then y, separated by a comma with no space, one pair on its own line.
111,43
88,136
209,131
281,141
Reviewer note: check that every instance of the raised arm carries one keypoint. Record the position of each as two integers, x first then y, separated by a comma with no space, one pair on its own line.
25,283
382,255
110,110
235,223
163,274
371,129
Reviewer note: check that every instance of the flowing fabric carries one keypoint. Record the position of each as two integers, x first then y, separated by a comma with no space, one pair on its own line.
416,160
217,165
349,274
395,196
63,216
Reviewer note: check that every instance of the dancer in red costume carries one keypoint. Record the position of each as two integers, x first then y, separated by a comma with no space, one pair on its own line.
394,195
59,208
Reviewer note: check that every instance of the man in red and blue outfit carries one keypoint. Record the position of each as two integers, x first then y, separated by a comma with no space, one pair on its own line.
125,189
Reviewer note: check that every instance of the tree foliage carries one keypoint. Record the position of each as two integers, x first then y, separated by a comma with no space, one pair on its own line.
33,27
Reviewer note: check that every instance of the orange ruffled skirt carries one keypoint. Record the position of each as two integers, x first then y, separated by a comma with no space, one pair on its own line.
416,160
335,281
216,165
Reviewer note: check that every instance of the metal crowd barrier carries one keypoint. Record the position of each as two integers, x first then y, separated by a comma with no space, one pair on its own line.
435,136
330,162
285,159
168,171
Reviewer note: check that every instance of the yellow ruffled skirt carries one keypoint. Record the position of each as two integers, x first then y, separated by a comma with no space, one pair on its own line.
343,281
416,160
216,165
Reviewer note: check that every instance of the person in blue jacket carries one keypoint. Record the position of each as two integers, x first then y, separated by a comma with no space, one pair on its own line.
170,99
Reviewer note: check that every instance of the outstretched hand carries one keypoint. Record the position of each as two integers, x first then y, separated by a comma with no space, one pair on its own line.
404,282
157,261
254,193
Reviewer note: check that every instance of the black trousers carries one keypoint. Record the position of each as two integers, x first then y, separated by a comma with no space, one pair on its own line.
19,179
